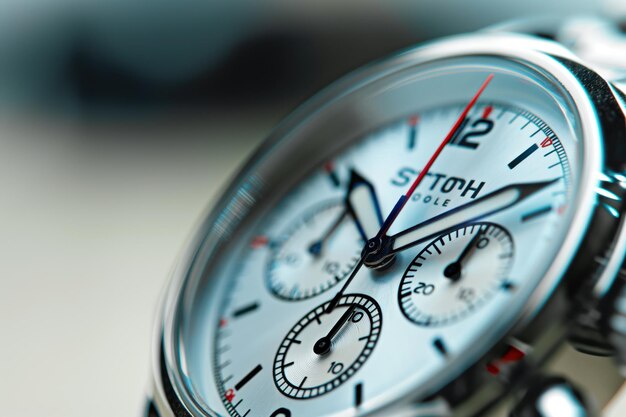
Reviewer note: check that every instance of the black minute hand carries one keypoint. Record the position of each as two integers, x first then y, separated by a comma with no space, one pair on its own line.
491,203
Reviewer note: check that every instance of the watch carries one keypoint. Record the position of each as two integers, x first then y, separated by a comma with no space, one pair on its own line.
421,238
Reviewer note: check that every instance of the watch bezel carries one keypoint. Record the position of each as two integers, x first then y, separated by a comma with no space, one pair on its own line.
545,55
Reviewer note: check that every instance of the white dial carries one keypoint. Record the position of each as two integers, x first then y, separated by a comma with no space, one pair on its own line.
271,325
455,181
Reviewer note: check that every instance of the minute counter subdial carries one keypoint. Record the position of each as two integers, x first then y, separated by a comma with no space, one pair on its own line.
305,366
456,273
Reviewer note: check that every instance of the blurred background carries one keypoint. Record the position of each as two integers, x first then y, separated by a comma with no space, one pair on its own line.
119,122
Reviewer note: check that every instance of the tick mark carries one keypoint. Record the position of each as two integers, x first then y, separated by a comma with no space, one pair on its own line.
248,377
518,160
487,111
413,120
259,242
358,394
246,309
536,213
440,346
514,117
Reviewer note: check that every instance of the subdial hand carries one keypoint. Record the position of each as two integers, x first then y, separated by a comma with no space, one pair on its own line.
454,270
316,247
323,345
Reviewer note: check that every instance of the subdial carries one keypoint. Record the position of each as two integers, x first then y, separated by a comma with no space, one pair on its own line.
315,253
456,273
324,349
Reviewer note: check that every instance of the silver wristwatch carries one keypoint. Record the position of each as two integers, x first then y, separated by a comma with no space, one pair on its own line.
440,233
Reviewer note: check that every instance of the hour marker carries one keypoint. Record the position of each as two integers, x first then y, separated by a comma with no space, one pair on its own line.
413,120
536,213
518,160
358,394
303,381
508,286
546,142
487,112
440,346
259,242
288,365
246,309
329,168
248,377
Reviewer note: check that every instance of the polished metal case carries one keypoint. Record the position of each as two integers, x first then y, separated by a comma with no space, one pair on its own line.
572,299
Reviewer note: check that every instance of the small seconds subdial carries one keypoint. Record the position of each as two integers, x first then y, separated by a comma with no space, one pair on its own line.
315,253
324,349
456,273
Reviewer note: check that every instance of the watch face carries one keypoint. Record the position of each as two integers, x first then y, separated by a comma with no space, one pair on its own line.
286,312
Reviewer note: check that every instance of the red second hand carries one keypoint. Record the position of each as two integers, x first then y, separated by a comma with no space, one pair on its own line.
405,198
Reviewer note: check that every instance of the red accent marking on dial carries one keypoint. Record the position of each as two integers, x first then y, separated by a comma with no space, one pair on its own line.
513,354
329,167
223,323
414,120
493,369
259,242
487,111
229,394
561,209
396,211
546,142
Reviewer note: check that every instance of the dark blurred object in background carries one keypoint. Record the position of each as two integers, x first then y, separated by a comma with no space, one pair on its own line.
120,55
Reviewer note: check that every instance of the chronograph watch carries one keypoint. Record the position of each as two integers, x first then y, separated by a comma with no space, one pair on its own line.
421,238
